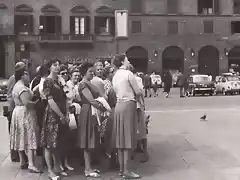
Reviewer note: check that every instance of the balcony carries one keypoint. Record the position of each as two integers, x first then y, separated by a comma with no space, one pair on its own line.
65,38
6,30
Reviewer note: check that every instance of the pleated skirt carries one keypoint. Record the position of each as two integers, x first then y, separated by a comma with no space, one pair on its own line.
124,125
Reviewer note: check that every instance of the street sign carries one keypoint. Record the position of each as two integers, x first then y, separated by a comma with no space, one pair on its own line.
121,23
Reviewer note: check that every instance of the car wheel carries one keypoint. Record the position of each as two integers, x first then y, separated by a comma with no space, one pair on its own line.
224,92
211,93
193,92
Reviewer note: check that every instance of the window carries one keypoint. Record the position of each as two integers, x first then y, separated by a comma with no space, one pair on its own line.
24,24
50,25
172,6
136,6
136,27
79,25
208,26
235,27
105,25
208,7
172,27
236,6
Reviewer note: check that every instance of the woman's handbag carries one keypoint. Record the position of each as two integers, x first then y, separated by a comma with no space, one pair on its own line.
5,111
72,121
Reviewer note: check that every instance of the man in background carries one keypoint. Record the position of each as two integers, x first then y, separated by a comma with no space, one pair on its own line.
147,82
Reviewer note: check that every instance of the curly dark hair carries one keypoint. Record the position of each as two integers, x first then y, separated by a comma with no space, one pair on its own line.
107,70
63,67
84,67
118,59
73,70
18,74
51,62
43,70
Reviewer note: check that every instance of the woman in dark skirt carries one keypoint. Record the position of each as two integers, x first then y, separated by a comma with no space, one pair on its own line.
88,135
125,117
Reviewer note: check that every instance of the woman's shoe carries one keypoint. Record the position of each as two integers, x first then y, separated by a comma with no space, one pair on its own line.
54,178
92,174
69,167
33,170
130,175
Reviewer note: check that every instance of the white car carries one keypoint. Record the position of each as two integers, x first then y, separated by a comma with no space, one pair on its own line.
227,84
156,79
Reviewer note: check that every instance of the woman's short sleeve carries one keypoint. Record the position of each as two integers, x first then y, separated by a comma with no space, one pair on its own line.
81,86
47,88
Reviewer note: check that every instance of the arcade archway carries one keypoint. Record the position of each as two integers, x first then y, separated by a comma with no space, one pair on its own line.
2,60
234,59
173,58
138,57
208,61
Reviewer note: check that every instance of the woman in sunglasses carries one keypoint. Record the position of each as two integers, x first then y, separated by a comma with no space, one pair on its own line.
64,72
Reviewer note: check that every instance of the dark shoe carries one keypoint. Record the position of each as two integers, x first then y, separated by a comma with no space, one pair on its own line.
14,156
24,166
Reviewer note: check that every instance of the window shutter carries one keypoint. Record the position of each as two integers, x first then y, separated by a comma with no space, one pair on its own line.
172,27
72,25
30,24
233,27
17,24
112,26
216,6
87,25
97,21
208,26
42,23
172,6
136,6
136,27
58,24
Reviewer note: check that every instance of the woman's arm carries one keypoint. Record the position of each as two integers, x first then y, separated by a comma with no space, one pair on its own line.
26,99
134,84
88,95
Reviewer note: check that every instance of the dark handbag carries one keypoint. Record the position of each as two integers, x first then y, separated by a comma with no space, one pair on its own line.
5,111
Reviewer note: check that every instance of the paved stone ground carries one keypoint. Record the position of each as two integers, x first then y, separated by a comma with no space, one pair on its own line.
180,145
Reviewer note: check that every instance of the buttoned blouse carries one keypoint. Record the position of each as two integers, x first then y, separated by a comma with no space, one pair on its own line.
122,86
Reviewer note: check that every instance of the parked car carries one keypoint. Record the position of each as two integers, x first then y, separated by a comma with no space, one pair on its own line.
156,79
200,84
227,84
3,89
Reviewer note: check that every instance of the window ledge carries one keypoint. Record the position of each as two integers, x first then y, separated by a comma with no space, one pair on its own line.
107,38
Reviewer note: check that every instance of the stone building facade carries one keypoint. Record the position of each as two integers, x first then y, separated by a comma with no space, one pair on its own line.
162,34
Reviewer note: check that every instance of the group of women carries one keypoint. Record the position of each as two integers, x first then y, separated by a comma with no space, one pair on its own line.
41,117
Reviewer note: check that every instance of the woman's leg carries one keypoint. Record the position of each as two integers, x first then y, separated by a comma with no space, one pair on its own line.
121,159
87,158
126,153
48,158
31,161
22,159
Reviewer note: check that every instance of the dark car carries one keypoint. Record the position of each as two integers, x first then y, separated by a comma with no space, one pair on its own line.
3,89
200,84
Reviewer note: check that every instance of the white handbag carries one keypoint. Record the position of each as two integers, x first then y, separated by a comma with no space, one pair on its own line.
72,122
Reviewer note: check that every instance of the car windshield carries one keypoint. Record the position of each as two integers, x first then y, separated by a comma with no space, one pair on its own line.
232,78
201,79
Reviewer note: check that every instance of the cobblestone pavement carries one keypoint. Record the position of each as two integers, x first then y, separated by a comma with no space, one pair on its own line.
181,146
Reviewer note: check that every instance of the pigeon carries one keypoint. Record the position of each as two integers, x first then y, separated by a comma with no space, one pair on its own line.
203,118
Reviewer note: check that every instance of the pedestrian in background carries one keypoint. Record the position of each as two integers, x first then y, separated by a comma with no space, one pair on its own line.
167,80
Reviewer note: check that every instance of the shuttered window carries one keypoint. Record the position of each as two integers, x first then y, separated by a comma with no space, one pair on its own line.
50,24
104,25
79,25
23,24
208,26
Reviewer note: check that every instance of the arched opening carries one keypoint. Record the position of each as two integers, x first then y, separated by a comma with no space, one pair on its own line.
2,59
234,59
208,61
173,58
138,57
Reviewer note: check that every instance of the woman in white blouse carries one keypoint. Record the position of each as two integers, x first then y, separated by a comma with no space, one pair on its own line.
124,128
